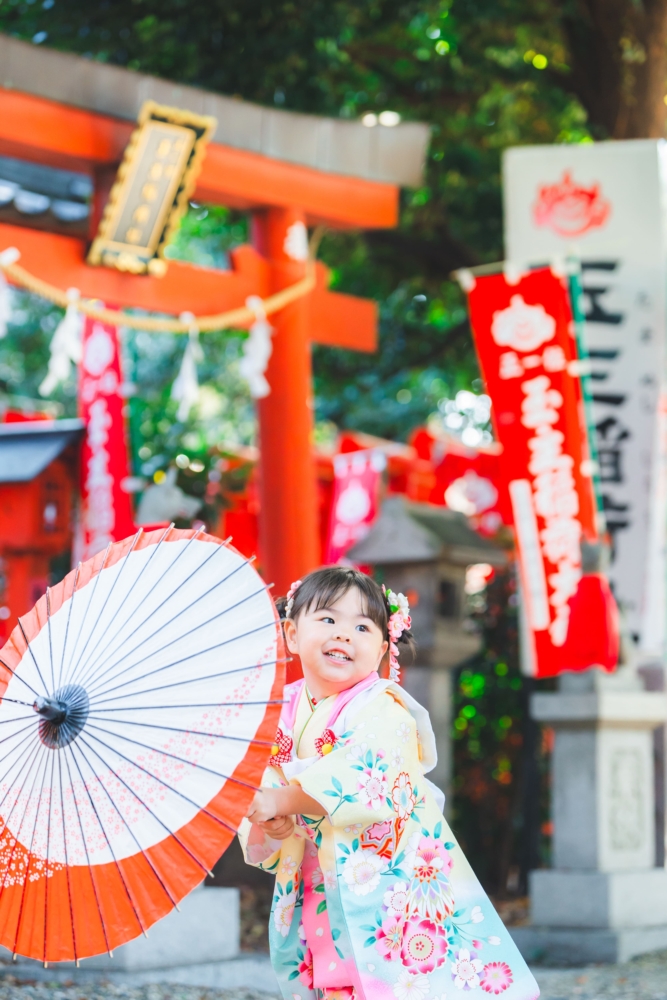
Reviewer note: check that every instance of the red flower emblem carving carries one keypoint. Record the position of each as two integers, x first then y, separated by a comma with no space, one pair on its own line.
570,209
325,743
281,751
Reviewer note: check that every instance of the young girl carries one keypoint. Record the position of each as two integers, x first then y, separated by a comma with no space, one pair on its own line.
373,897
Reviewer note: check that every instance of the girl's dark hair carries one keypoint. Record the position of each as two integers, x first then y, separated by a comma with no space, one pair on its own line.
323,587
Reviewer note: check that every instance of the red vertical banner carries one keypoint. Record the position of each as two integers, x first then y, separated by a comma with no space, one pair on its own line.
354,504
524,334
106,512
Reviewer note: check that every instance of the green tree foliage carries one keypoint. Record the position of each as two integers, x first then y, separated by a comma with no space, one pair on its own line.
484,74
500,764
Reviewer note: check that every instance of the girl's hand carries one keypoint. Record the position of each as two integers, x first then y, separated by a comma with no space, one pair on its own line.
264,806
279,828
289,800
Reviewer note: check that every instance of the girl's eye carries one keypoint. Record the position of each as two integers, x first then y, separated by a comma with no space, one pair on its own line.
362,628
328,621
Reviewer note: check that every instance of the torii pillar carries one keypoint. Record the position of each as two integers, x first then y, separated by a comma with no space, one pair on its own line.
288,523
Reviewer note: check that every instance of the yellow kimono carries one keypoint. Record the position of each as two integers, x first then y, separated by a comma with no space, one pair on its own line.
376,895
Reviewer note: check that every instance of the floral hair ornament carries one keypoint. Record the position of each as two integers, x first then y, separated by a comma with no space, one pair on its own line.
399,621
291,594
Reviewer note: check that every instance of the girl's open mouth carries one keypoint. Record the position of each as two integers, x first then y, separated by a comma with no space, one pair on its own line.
339,655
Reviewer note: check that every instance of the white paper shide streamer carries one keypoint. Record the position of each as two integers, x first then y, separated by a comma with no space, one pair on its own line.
185,389
257,350
7,257
66,345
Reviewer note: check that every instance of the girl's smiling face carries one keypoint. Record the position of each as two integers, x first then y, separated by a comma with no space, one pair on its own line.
338,646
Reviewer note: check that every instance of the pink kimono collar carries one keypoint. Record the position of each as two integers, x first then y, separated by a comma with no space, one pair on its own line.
293,693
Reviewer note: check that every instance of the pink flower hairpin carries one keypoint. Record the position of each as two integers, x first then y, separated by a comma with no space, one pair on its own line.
399,622
291,594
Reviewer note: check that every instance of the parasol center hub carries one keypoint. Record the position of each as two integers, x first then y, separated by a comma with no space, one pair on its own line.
63,715
51,710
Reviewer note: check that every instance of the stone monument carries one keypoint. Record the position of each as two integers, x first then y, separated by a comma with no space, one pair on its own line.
604,899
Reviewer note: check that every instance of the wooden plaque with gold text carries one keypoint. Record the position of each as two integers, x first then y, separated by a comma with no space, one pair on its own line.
152,189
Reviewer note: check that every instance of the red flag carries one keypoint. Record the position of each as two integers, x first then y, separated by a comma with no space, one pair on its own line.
524,334
354,501
106,514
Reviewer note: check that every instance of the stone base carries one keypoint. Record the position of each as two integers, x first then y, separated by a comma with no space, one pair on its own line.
580,946
598,900
205,929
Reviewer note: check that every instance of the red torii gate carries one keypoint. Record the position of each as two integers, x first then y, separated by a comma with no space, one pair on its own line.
63,111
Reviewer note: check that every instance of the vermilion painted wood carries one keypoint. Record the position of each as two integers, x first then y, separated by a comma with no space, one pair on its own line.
255,180
43,131
60,260
334,319
58,135
289,542
341,320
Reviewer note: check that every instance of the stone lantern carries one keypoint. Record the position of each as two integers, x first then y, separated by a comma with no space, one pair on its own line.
424,551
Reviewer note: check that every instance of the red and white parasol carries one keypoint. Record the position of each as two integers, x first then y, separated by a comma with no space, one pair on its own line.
140,698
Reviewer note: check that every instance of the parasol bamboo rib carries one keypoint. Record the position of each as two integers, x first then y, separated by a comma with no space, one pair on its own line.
190,656
95,585
90,867
182,760
135,540
75,583
129,829
67,864
129,592
145,805
206,677
92,669
203,809
200,704
152,324
191,732
134,838
32,842
109,680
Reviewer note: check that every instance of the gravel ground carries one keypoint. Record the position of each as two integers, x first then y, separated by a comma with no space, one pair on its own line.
642,979
12,988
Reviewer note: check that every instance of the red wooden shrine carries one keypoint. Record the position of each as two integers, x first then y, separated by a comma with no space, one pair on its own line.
38,481
86,128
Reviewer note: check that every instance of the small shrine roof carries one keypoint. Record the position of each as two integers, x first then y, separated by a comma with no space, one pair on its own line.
27,448
393,155
418,532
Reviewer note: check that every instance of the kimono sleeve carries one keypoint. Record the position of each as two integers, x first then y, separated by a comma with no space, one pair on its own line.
376,776
258,848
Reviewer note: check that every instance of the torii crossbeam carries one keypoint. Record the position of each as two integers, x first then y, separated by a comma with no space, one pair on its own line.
64,111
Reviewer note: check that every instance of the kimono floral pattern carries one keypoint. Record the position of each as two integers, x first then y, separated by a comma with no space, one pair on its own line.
281,751
403,908
325,743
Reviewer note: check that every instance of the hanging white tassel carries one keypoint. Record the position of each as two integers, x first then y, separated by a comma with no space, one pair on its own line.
185,389
257,350
66,345
7,257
